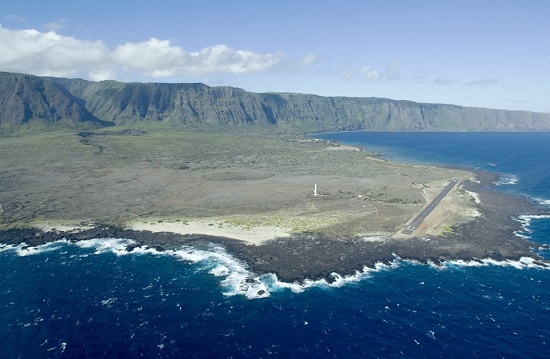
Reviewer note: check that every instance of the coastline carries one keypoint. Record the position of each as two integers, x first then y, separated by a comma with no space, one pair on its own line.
299,257
262,208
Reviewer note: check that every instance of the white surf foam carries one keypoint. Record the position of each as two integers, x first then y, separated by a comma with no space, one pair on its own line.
507,179
22,250
522,263
526,220
338,280
6,247
237,279
103,245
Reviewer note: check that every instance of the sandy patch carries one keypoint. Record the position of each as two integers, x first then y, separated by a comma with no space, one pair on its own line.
475,196
62,227
342,148
253,235
374,238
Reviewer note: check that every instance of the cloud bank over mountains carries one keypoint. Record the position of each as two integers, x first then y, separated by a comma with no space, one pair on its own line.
51,54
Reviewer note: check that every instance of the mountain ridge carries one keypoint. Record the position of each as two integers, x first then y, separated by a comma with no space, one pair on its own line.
79,103
27,98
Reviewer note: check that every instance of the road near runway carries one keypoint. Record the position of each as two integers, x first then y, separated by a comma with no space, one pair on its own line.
429,208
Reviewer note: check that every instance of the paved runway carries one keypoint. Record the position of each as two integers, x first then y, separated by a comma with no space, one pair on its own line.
429,208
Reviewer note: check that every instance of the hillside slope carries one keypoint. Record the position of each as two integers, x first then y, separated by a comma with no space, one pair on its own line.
29,98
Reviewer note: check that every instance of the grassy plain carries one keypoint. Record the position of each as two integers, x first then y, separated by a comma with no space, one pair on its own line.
236,177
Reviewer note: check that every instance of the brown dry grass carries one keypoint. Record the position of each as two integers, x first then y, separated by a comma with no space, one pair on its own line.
258,179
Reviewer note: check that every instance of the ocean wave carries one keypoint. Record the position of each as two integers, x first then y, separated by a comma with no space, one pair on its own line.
506,179
522,263
337,279
526,220
102,245
6,247
237,279
23,250
114,245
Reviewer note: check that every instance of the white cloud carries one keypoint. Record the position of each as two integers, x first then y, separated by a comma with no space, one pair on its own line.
101,75
370,74
310,59
443,82
13,17
367,73
55,25
490,81
159,58
48,53
363,73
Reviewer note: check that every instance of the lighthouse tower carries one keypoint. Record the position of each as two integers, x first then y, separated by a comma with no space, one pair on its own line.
315,193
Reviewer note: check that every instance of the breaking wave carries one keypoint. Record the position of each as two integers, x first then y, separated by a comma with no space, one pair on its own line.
522,263
237,279
506,179
526,220
24,250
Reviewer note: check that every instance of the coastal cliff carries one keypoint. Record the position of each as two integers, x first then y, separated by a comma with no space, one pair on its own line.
28,99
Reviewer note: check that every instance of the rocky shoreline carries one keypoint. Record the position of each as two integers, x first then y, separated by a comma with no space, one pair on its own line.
307,256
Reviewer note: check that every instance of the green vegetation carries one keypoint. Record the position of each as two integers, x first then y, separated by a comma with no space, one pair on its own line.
74,103
447,230
398,195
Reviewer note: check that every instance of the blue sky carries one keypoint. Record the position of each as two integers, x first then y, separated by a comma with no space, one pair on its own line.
482,53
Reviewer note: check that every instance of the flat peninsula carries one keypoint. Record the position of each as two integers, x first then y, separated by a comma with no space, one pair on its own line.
284,204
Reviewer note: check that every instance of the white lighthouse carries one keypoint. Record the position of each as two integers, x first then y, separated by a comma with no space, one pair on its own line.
315,193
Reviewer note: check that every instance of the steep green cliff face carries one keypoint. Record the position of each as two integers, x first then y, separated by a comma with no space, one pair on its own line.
189,103
27,99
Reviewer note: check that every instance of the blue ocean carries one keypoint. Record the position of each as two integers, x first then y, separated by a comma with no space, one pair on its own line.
93,299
